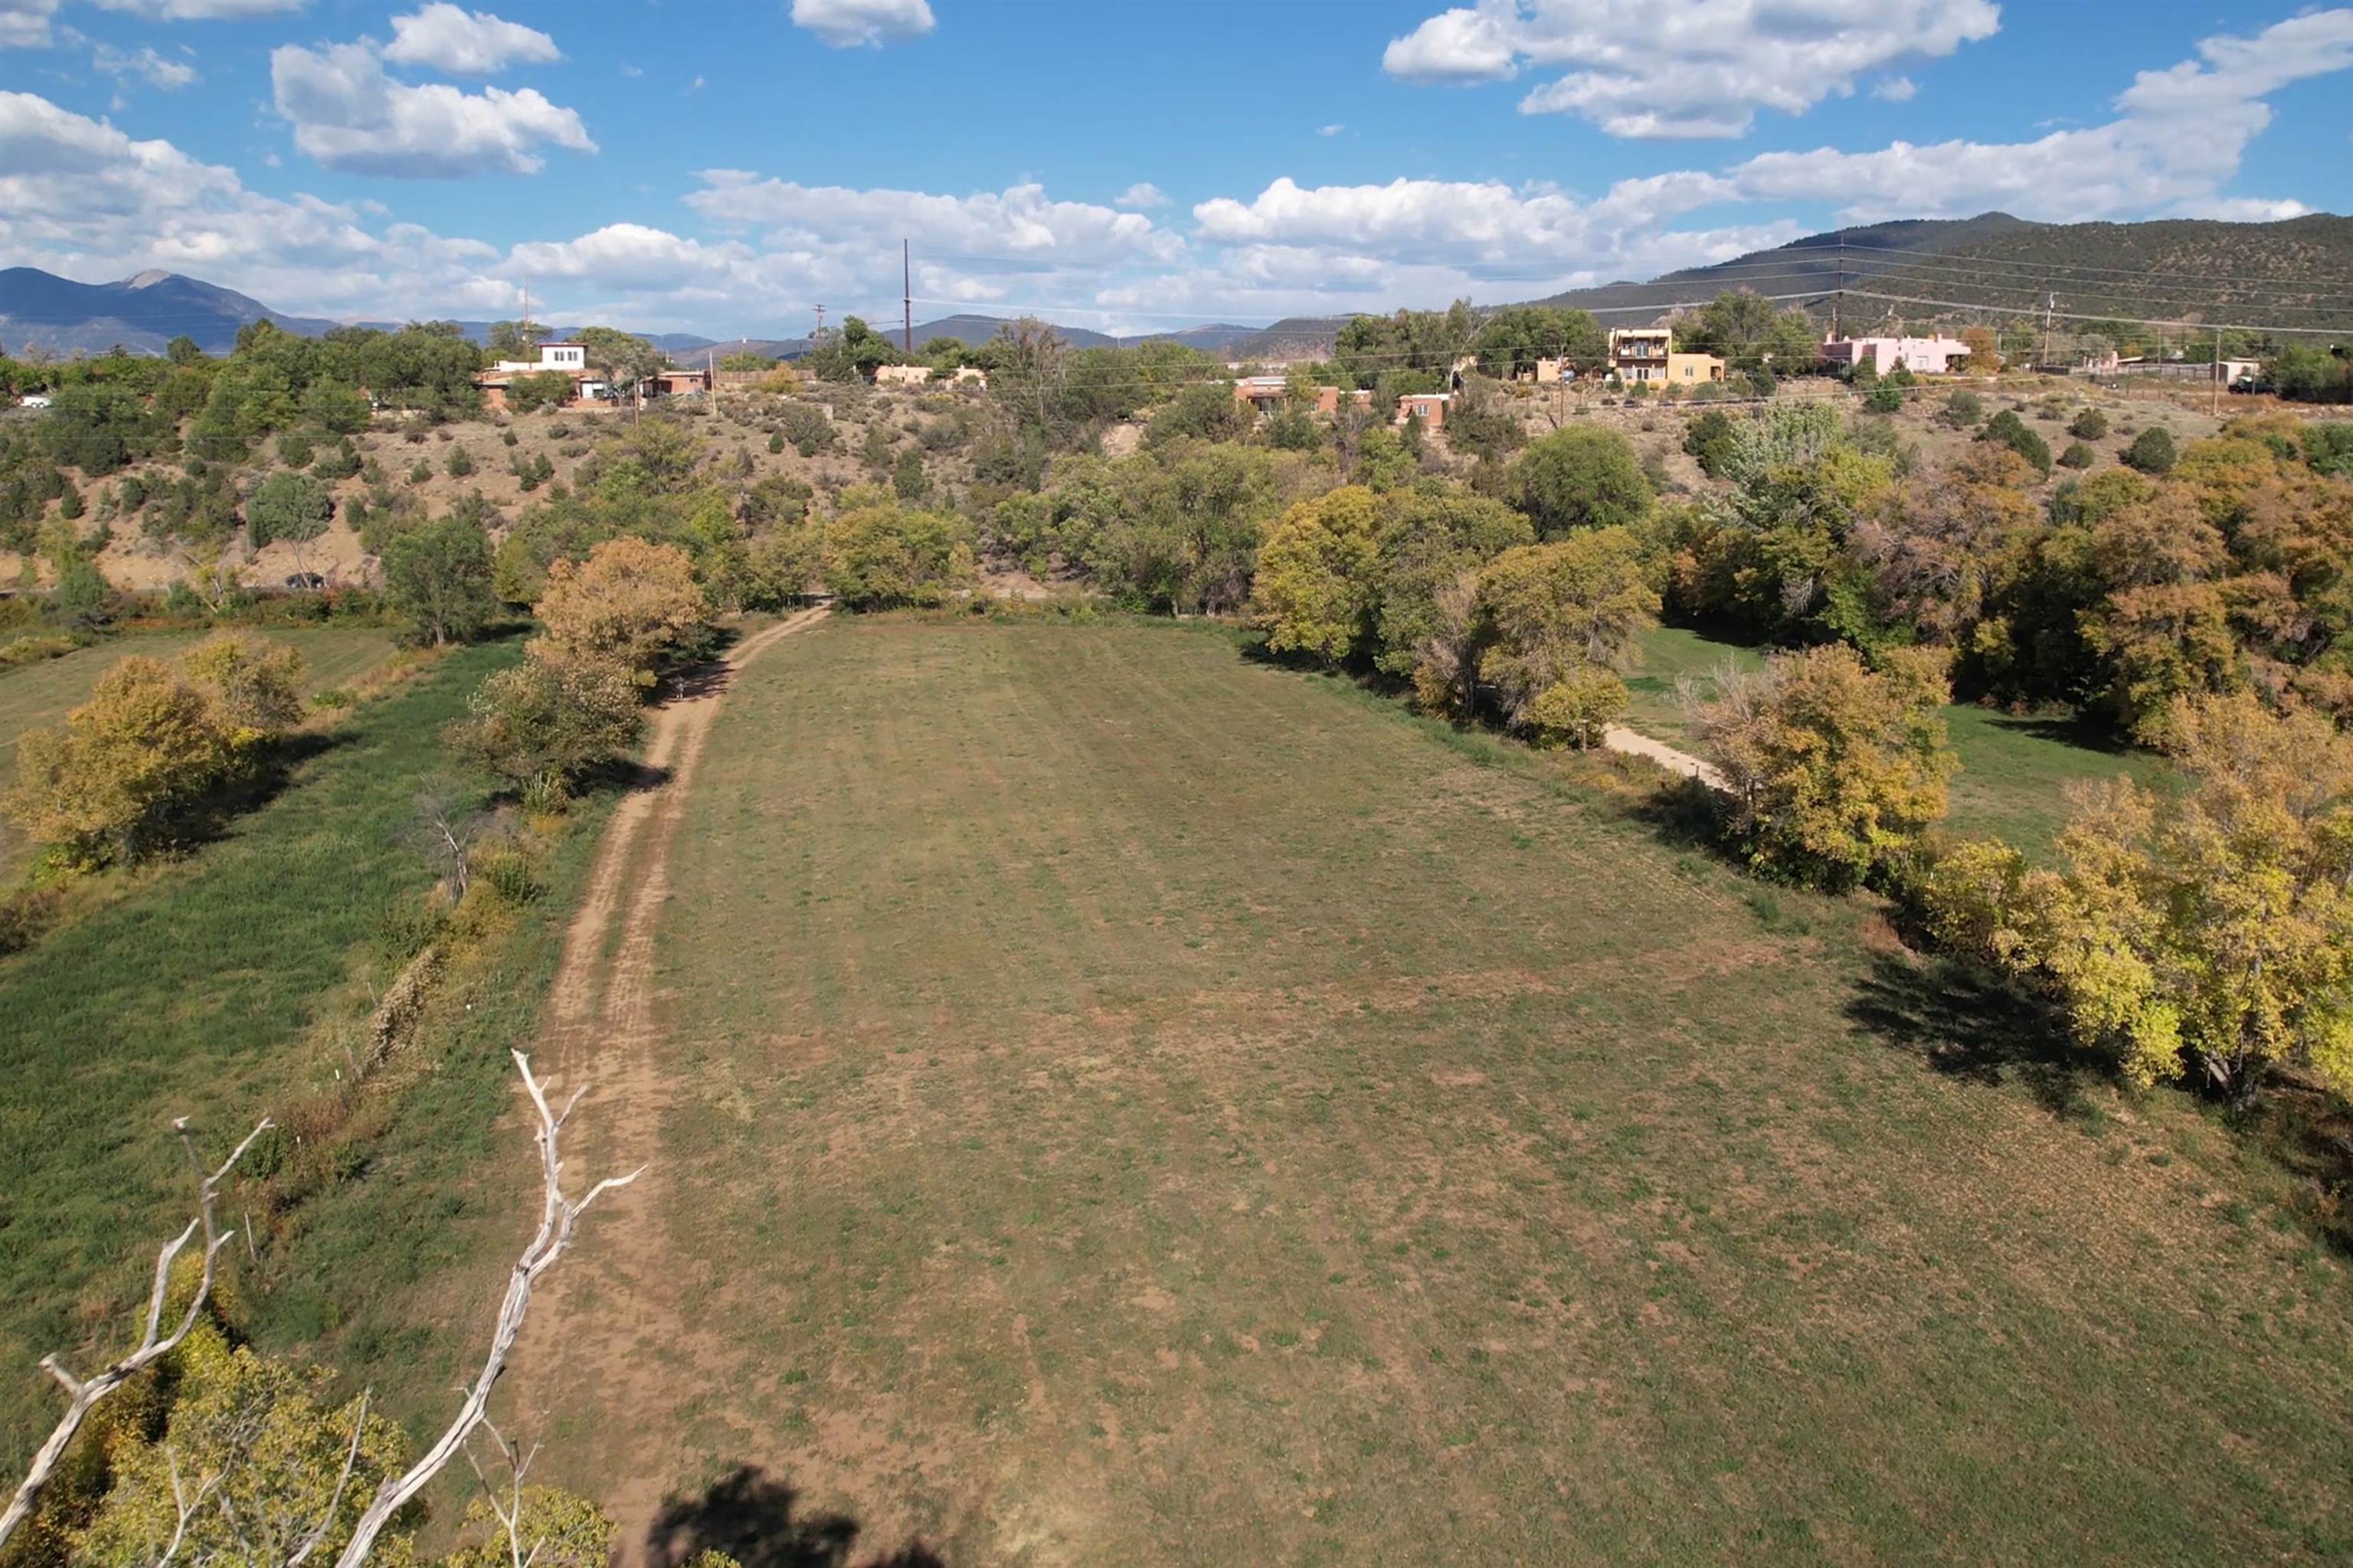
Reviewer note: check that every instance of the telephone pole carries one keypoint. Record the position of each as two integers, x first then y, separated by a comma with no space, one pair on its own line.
906,301
2216,370
1839,299
2050,303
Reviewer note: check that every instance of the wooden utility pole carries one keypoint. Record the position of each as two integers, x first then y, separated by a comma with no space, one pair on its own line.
2215,374
2050,303
906,301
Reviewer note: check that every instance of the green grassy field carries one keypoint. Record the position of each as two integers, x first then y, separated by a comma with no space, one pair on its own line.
1135,1104
34,695
190,995
2014,771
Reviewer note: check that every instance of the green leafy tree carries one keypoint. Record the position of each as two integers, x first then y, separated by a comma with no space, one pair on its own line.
1580,478
1317,585
438,579
623,359
1432,535
294,507
878,554
2091,425
1549,611
539,727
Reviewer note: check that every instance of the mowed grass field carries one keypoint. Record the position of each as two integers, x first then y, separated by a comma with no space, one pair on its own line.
36,695
1132,1104
190,994
2015,770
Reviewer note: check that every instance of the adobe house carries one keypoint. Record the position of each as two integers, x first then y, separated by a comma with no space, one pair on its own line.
1920,356
1693,369
1429,407
1639,354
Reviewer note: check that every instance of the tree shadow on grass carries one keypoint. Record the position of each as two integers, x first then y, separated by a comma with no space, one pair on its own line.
1966,1024
754,1518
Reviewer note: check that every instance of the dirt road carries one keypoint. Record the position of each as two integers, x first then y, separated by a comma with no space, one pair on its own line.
606,1308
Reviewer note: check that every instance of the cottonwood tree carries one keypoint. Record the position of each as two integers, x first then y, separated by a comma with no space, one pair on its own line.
1563,611
2205,930
631,601
439,579
1315,589
538,726
1580,478
1834,769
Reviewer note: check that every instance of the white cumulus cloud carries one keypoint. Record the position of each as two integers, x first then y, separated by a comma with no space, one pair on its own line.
1648,69
1141,194
466,43
25,23
2181,134
847,23
1895,90
348,114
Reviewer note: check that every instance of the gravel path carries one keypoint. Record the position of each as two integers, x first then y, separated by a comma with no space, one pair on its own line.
1619,739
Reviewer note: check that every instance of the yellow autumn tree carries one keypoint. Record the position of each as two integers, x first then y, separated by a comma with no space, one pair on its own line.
2209,928
1835,770
255,684
1316,586
116,780
631,601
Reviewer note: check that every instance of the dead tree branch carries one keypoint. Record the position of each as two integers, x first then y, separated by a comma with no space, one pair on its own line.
559,1217
154,1343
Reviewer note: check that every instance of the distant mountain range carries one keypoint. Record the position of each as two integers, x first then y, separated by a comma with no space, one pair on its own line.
2298,273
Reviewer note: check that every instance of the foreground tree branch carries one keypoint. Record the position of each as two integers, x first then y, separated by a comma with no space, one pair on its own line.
559,1216
154,1343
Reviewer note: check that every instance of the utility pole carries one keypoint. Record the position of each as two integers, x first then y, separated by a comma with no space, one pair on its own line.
2050,303
1839,299
820,328
2215,375
906,301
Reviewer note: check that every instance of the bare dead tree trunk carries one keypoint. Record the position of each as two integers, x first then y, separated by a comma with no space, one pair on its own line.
154,1343
558,1218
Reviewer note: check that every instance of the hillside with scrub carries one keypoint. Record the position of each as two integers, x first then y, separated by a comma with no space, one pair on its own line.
1128,989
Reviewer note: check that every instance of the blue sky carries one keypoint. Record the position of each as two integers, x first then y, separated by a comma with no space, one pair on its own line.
721,166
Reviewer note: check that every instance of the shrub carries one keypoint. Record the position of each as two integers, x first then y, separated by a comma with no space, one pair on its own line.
1885,397
461,464
506,438
1962,409
295,450
120,778
1578,708
776,441
2090,425
421,472
2078,455
538,726
807,427
2006,429
2151,451
1708,439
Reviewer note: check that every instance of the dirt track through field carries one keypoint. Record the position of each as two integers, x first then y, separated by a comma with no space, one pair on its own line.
609,1303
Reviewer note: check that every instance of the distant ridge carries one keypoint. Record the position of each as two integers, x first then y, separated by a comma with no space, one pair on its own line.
2297,272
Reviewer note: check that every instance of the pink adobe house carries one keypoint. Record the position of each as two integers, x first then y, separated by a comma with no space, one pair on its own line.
1920,356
